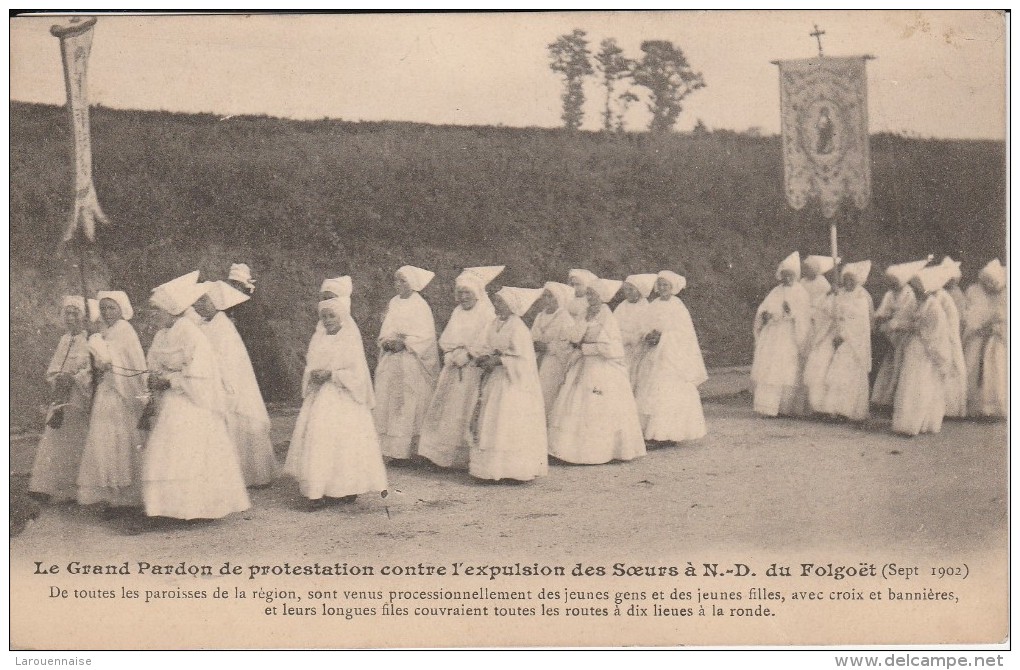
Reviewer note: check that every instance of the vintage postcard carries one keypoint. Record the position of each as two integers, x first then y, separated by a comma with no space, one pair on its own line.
517,329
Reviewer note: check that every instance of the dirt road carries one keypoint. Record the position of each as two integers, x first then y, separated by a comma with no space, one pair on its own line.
752,483
753,488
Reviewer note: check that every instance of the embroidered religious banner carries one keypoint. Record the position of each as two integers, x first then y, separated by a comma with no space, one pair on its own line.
75,47
825,131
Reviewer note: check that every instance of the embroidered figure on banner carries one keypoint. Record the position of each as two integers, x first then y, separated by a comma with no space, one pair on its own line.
825,132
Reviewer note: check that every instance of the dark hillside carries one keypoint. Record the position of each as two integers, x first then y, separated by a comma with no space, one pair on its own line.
300,201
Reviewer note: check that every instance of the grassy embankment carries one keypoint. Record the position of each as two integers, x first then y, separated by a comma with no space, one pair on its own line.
300,201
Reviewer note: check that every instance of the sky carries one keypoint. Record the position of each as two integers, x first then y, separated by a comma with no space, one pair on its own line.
935,74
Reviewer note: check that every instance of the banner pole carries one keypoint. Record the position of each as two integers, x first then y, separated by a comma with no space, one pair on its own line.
833,243
85,210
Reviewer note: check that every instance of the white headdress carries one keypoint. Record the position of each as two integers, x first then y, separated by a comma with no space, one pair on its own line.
223,295
78,303
477,278
178,294
585,277
416,278
821,264
931,279
563,293
519,300
859,270
241,273
996,272
952,267
791,263
606,288
122,301
341,287
341,306
904,272
644,283
676,282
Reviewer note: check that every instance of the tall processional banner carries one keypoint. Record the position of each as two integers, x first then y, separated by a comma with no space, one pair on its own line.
75,47
825,131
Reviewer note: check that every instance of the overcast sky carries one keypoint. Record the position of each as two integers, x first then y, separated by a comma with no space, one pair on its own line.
937,74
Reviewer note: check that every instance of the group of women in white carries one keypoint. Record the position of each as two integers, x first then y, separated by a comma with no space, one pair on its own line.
496,398
182,430
947,356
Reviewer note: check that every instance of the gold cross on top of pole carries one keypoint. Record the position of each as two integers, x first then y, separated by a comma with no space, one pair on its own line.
818,36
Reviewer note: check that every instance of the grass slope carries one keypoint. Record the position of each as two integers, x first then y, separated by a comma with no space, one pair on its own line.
300,201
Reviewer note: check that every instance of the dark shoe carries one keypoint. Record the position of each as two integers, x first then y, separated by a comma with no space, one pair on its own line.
315,505
139,524
109,513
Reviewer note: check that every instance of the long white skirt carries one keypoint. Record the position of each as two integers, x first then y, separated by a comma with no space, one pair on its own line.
512,440
632,355
111,465
402,393
844,390
884,391
444,434
956,394
58,456
776,372
920,401
986,377
683,420
595,418
669,408
335,450
815,372
254,448
552,371
190,468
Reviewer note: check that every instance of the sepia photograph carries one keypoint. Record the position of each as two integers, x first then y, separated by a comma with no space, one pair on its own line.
510,330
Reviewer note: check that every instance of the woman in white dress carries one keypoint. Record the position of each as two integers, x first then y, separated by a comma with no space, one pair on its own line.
920,402
445,431
57,458
594,419
333,288
580,280
668,401
408,367
111,466
846,346
510,431
247,419
953,287
819,352
892,318
631,315
984,340
782,325
956,380
551,332
813,271
190,468
334,452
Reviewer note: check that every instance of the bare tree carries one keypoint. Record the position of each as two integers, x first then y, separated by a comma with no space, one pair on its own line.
570,58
